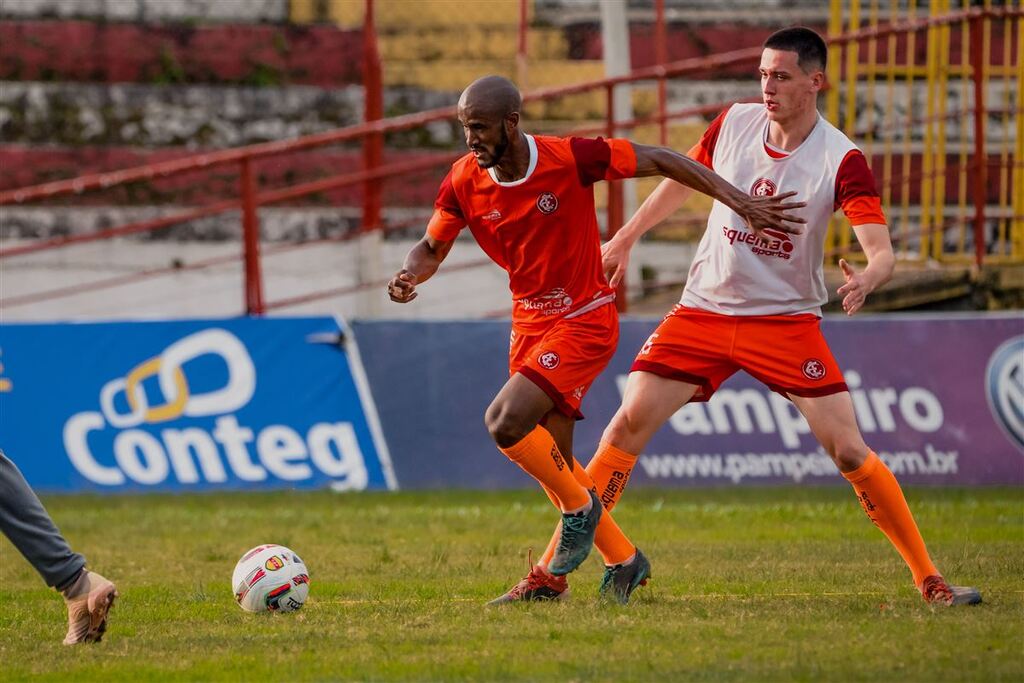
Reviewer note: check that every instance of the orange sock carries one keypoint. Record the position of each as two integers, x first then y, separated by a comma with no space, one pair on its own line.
882,499
610,541
539,457
610,469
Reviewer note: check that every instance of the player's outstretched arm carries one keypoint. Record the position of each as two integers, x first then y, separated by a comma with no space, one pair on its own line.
659,205
421,263
760,213
874,240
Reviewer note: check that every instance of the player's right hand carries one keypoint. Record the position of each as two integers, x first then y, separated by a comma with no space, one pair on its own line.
615,260
769,213
402,287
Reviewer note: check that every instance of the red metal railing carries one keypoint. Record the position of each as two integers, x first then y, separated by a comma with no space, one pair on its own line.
371,134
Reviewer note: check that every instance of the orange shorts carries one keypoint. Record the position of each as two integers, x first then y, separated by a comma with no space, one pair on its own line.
567,357
788,353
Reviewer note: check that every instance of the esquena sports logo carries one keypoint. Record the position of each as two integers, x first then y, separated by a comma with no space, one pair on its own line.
162,420
1004,388
775,244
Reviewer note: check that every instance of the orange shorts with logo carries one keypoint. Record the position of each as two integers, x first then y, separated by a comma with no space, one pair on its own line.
788,353
567,357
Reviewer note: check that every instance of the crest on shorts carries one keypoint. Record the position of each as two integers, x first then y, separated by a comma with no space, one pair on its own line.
547,202
548,360
813,369
762,187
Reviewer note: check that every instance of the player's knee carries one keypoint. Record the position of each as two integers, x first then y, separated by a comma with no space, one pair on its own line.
504,427
626,427
848,454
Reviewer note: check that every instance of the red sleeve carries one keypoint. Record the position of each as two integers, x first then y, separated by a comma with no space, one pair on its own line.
855,191
600,159
704,150
448,218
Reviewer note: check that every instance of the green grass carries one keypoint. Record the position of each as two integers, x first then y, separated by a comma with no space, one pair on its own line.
751,585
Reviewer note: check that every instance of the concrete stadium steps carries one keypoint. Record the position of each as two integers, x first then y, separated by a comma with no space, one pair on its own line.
152,11
412,14
683,41
469,43
21,166
252,54
454,75
277,224
199,116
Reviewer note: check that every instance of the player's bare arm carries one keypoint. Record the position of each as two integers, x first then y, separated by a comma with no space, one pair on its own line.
874,240
760,213
659,205
421,263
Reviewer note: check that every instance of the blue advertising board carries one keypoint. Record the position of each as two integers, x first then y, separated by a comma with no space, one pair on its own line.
189,405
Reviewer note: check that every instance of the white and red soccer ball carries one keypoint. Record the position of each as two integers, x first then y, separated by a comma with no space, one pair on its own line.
270,578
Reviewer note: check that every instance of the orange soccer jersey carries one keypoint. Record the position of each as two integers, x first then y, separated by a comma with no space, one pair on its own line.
542,229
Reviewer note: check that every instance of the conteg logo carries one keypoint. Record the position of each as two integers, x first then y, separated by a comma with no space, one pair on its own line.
172,417
177,398
1004,388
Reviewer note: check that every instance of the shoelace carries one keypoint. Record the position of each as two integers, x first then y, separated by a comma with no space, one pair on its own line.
531,581
575,524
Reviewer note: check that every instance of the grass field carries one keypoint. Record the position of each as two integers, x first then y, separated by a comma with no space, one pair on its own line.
751,585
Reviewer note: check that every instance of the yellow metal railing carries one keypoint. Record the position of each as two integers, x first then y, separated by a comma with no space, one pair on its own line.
908,99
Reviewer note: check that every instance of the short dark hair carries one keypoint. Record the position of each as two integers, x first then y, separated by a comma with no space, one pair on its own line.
810,48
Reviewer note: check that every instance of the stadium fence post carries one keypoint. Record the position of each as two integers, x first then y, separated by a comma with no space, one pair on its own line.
373,110
254,304
980,160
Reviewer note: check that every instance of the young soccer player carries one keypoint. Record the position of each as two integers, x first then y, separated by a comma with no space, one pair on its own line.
529,202
26,524
754,303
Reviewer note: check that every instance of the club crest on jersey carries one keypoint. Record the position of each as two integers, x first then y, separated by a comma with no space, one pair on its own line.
548,360
547,202
813,369
762,187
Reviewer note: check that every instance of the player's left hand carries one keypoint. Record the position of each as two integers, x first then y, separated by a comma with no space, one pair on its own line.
855,291
770,213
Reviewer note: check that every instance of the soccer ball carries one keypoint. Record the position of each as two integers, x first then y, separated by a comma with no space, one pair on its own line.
270,577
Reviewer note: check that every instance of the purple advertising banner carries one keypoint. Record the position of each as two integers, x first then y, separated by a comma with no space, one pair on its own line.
940,398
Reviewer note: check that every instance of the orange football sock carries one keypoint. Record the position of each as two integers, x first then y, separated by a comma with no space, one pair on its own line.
610,541
882,499
610,469
539,457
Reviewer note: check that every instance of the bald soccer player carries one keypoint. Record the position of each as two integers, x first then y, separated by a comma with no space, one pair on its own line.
529,202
